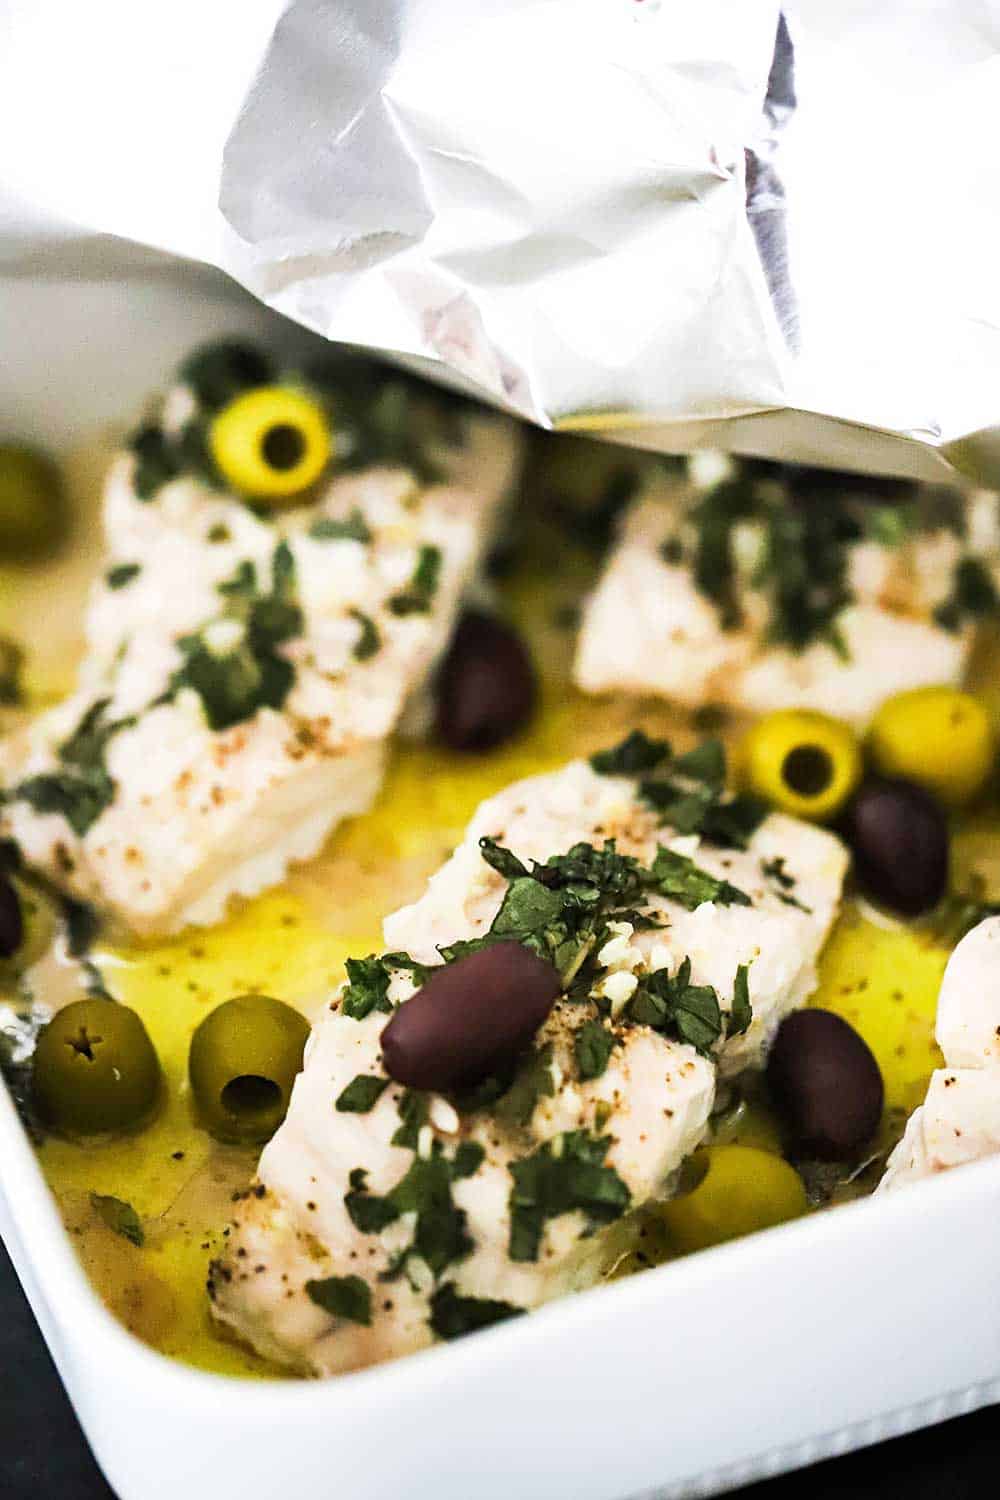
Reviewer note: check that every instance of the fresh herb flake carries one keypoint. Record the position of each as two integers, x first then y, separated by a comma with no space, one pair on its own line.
564,1175
592,1047
331,529
361,1094
120,1217
346,1297
122,575
453,1316
419,593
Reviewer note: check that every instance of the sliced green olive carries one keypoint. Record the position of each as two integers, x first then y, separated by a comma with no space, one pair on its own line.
33,514
243,1061
95,1069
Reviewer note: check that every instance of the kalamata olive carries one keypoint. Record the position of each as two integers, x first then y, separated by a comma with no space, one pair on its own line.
471,1018
825,1085
899,838
11,919
486,688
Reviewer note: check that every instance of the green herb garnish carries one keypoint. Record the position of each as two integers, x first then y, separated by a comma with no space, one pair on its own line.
973,595
156,461
118,577
329,529
361,1094
419,593
686,1012
453,1316
236,684
634,754
681,880
563,1175
82,788
120,1217
345,1297
369,641
220,371
592,1047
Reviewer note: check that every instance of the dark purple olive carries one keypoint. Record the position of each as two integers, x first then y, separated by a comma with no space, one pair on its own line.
899,837
471,1018
11,919
486,688
825,1085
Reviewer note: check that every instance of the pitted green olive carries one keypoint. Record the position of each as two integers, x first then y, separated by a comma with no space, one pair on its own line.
243,1061
95,1069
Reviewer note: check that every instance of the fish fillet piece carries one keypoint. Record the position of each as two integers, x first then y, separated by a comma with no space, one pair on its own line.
649,628
959,1120
636,1121
242,676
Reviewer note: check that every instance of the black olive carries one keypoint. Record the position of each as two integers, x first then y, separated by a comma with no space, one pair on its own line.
470,1018
825,1085
11,919
486,687
899,837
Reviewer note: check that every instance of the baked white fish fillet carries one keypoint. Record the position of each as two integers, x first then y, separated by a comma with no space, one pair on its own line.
162,811
648,628
642,1115
959,1120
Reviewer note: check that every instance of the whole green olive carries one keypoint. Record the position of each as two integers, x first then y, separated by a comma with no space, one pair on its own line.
243,1061
95,1069
33,514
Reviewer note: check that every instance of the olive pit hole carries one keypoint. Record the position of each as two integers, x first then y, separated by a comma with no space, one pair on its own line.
807,770
283,446
250,1097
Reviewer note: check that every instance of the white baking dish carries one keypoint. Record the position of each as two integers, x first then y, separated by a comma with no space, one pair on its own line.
815,1338
812,1339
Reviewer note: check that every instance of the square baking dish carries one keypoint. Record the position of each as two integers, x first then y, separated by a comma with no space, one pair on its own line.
808,1340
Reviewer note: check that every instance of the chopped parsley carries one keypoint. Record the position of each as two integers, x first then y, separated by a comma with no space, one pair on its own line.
369,641
698,803
419,593
413,1109
592,1047
234,684
156,461
120,1217
361,1094
368,982
686,1012
347,1297
564,1175
532,1081
440,1236
367,989
783,884
681,880
329,529
807,521
82,788
636,753
122,575
453,1316
973,595
222,370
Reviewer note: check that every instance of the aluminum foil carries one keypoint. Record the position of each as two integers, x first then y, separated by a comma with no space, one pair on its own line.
672,222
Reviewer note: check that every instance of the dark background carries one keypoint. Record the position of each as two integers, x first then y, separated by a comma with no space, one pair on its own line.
43,1454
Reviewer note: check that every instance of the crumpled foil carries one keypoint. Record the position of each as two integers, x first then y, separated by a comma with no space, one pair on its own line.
676,223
